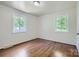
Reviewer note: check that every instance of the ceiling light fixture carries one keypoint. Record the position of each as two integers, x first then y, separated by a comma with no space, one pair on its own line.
36,3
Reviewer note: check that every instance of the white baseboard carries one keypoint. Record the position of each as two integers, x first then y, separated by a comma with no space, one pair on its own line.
10,45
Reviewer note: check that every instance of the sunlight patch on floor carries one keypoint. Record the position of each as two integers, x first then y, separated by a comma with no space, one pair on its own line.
58,54
21,53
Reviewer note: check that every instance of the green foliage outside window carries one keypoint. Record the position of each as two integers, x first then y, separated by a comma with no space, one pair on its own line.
62,24
19,22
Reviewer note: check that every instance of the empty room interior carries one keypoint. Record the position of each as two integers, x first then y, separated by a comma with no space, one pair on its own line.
39,29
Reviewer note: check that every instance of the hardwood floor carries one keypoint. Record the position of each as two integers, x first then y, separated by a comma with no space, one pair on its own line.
40,48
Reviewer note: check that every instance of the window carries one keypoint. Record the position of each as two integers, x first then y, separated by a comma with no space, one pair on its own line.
62,24
19,24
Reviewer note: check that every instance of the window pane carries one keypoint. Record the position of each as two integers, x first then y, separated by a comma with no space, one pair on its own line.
19,24
62,24
22,24
15,24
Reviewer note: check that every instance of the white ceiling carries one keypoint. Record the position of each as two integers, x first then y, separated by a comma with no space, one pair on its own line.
45,7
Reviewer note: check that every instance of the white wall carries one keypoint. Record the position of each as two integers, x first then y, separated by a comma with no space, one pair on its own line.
7,38
77,25
47,27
